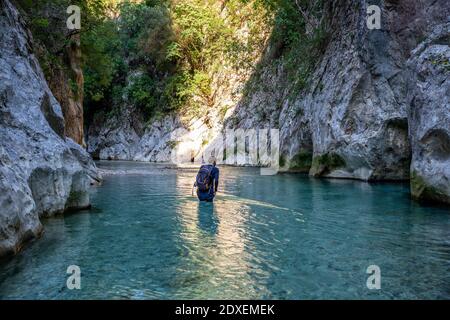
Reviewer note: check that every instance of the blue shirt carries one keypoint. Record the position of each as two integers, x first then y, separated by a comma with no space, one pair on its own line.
209,195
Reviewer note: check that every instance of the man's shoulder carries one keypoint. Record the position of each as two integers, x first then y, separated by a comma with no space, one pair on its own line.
210,166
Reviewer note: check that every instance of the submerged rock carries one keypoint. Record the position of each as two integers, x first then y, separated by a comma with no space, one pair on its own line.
429,117
41,173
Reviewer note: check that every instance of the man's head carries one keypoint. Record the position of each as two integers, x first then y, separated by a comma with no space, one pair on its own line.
212,160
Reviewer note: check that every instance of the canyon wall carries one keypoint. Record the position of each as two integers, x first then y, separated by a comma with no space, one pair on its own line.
67,86
42,173
429,117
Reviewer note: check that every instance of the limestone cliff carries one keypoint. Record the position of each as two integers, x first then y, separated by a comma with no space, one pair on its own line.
429,117
42,172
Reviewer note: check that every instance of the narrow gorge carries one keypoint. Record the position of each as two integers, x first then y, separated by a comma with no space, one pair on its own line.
142,80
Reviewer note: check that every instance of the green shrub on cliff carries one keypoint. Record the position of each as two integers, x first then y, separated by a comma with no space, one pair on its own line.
299,37
102,61
143,93
301,162
423,191
326,163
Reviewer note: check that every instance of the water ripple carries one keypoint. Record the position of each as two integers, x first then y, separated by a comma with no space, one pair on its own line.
265,237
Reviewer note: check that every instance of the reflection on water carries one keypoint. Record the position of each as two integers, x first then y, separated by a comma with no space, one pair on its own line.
216,239
208,220
276,237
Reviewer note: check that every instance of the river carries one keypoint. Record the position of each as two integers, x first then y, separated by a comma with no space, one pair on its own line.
265,237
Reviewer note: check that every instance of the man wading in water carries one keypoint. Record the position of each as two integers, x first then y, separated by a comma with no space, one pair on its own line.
207,181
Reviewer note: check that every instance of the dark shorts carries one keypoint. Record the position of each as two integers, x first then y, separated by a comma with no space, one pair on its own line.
205,196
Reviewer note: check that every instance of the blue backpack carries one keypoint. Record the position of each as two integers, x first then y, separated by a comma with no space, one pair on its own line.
203,180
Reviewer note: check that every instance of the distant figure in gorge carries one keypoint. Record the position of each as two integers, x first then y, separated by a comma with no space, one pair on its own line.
207,181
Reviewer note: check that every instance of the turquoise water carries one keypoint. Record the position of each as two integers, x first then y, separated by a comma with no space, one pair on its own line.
271,237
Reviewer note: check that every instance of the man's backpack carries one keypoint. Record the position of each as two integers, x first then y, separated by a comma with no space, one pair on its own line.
203,180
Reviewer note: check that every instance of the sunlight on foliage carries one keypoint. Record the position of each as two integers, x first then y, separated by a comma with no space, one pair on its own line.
161,56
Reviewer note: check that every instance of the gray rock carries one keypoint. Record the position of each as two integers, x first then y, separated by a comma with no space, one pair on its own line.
86,161
41,174
115,138
358,114
429,117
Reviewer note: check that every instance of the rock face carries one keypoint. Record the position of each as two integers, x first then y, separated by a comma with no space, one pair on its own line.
41,172
351,121
128,139
356,105
70,97
429,117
